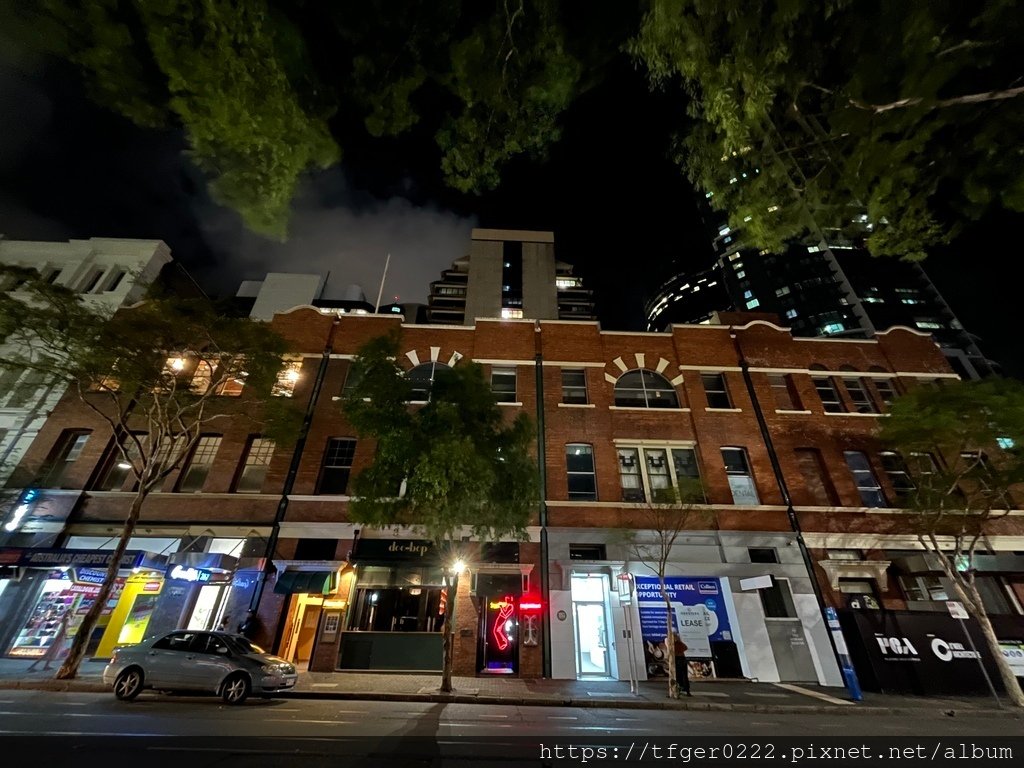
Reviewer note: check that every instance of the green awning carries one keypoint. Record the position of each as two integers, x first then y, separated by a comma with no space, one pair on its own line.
304,582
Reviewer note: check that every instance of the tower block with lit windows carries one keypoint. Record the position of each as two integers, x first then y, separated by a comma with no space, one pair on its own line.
510,274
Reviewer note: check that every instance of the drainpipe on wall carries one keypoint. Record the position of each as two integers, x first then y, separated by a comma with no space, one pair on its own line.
545,587
293,469
794,521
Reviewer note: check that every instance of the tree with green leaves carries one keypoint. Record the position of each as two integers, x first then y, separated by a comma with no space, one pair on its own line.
962,445
809,116
451,466
659,524
158,374
235,76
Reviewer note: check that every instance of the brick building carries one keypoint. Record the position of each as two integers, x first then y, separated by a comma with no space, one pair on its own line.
779,430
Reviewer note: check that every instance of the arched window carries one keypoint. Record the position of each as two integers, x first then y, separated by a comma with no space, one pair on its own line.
422,379
645,389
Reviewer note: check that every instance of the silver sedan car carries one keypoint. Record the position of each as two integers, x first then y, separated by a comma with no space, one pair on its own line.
186,660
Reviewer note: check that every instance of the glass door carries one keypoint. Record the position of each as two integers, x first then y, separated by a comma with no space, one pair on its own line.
590,618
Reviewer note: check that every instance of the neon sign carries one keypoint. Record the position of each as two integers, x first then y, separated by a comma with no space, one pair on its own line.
504,608
189,574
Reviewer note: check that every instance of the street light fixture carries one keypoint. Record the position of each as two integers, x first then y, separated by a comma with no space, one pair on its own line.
459,566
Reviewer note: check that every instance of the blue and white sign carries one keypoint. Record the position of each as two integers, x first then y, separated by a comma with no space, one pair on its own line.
699,611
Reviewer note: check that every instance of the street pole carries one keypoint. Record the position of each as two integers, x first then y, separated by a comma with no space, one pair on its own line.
846,670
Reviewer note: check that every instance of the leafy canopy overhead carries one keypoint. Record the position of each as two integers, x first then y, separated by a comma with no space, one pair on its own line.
450,463
805,116
810,114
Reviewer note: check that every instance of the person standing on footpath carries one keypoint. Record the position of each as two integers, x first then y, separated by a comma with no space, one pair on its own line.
682,672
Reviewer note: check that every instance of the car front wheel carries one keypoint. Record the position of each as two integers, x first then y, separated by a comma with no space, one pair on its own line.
236,689
128,684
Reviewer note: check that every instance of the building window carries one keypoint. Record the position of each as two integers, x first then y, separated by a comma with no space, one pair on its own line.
923,588
92,280
118,470
115,280
829,395
862,402
65,453
899,477
886,390
508,313
231,376
503,384
254,469
715,390
867,484
645,389
337,465
316,549
579,463
287,378
815,476
777,600
784,392
422,380
202,378
29,389
647,473
587,552
741,482
763,554
574,386
198,467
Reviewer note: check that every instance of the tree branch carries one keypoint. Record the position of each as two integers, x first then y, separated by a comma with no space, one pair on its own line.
914,101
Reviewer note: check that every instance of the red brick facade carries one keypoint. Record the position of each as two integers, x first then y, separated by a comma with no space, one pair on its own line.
900,357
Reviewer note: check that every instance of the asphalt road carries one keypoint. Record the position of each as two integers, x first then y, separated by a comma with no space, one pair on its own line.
77,729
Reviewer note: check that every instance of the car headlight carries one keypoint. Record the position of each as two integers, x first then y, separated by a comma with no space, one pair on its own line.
270,669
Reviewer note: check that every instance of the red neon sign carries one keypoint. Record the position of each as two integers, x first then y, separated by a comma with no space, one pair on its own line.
530,604
505,608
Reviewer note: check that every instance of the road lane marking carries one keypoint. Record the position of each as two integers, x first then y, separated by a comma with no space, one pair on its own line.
813,694
504,717
561,717
315,722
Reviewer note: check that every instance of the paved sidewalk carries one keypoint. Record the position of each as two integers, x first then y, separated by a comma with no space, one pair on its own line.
715,695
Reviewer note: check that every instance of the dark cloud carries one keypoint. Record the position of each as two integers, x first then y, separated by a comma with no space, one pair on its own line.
335,229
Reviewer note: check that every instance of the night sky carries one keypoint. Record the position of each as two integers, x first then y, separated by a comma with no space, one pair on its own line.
621,212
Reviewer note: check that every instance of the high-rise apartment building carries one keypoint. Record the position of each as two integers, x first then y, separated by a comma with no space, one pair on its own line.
828,289
509,274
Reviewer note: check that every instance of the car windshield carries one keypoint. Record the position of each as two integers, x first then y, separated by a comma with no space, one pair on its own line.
245,646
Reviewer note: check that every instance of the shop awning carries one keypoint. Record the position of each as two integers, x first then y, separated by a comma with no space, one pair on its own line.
304,582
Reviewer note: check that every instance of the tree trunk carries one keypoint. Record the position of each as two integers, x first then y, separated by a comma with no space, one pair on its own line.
1010,683
69,669
448,642
670,648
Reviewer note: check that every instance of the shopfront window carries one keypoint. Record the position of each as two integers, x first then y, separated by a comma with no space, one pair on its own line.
399,600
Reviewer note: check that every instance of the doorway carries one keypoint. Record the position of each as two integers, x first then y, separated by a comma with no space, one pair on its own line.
301,631
209,605
590,619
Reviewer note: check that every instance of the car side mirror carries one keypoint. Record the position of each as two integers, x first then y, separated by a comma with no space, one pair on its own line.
223,651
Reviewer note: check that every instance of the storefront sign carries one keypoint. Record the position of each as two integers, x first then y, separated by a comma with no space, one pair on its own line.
699,614
54,558
916,652
1013,652
88,575
189,574
395,550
